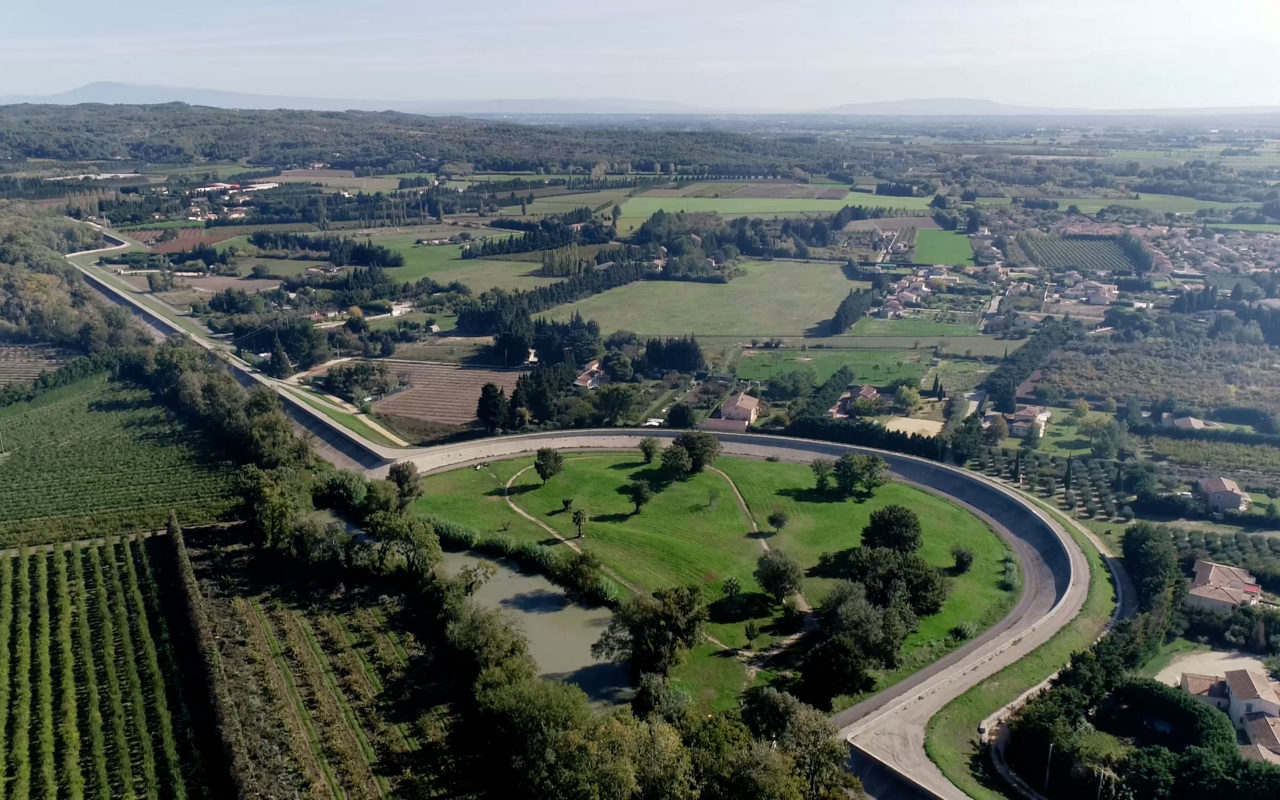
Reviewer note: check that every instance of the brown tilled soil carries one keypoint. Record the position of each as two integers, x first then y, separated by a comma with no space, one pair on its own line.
22,362
442,392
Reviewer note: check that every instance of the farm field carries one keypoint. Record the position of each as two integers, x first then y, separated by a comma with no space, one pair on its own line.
98,456
773,298
961,375
317,679
439,392
335,179
443,263
645,206
877,367
96,678
1056,252
943,247
1151,202
23,362
923,327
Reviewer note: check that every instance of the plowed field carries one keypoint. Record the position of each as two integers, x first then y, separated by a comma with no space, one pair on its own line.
442,392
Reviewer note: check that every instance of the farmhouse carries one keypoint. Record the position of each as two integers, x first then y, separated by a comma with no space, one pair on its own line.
1028,417
1092,293
1221,494
741,406
1168,420
591,377
1218,587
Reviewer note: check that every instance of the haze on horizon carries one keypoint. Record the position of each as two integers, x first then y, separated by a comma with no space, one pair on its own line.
745,55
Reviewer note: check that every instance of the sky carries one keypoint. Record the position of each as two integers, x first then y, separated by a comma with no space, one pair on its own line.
733,55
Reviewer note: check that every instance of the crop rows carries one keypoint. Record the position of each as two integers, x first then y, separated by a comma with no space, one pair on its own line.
442,392
102,448
1054,252
87,678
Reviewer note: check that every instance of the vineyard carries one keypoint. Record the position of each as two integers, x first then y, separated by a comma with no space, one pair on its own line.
442,392
90,701
23,362
318,683
1057,252
98,456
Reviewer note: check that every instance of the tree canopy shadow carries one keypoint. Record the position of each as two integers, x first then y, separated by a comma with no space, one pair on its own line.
615,517
745,606
541,601
833,565
810,495
625,465
500,491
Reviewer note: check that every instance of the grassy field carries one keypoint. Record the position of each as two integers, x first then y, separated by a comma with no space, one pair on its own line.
962,375
951,738
98,456
877,367
943,247
444,263
773,298
96,696
644,207
923,327
349,421
1158,203
695,533
1260,227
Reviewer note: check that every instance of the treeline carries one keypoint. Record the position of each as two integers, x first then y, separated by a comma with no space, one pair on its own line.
548,235
852,308
577,215
487,313
1136,251
1002,384
340,251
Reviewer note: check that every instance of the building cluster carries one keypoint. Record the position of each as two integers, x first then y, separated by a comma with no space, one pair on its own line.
1022,421
1222,494
737,414
1251,701
847,404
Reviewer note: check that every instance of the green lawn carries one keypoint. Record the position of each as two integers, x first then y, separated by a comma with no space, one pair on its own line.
645,207
1261,227
773,298
943,247
923,327
444,263
818,525
695,533
951,738
349,421
878,367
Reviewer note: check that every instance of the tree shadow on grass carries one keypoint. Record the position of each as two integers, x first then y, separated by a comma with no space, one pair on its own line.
514,491
811,495
655,476
616,517
630,465
747,605
832,565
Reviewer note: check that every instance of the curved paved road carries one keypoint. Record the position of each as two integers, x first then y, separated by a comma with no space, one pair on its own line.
889,727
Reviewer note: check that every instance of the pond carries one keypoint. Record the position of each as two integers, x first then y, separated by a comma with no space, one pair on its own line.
560,632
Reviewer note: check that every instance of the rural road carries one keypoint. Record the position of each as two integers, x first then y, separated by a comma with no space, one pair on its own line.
888,729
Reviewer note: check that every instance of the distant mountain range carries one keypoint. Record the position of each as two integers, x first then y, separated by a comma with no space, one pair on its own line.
138,94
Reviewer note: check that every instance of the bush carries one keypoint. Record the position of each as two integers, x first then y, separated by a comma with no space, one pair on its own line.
963,557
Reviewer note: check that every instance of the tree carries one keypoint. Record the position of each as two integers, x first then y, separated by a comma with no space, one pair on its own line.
998,430
895,527
548,463
731,587
778,520
836,666
649,448
937,387
639,492
492,407
681,416
653,631
702,446
676,463
859,474
963,558
778,575
822,468
280,366
408,484
906,399
615,401
1031,440
579,519
1079,409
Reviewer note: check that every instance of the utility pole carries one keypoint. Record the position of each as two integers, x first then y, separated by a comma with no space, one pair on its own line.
1047,763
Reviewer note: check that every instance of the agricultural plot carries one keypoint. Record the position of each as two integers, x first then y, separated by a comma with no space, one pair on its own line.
877,367
930,327
943,247
1059,252
23,362
99,695
1158,203
99,456
737,206
773,298
444,263
445,393
318,681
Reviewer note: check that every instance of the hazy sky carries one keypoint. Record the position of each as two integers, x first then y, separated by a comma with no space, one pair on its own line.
733,54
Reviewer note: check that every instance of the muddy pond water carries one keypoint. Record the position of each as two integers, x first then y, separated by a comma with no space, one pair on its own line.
560,632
